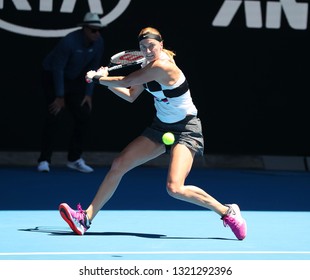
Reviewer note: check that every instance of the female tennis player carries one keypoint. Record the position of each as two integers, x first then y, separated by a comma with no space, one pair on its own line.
175,112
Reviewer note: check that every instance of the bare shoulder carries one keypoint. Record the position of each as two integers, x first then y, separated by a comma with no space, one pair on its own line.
164,63
167,72
166,66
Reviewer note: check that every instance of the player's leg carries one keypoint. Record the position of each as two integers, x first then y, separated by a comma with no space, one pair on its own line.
136,153
180,165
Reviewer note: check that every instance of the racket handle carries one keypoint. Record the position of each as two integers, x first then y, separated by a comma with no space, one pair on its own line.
115,67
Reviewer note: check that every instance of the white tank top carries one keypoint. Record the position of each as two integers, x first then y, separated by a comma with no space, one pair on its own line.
172,103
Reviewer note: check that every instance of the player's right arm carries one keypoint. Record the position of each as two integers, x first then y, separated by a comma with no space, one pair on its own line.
138,77
128,93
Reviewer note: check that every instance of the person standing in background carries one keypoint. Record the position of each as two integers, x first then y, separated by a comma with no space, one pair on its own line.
65,89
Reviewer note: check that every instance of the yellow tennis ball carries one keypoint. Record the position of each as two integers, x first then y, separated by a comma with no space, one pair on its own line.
168,138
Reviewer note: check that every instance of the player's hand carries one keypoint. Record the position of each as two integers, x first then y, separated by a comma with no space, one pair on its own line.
103,71
89,76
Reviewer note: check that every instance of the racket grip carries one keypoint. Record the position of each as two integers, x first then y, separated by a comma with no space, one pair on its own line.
115,67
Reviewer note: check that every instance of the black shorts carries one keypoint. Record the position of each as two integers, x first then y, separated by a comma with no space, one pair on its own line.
187,132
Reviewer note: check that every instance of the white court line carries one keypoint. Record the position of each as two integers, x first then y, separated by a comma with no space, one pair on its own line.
159,253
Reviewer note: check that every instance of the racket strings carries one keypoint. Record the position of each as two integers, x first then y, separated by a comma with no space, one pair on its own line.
128,57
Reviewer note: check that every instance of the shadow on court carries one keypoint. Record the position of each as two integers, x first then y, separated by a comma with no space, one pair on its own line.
52,231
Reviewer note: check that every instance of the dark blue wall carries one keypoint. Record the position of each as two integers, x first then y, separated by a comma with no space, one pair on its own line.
250,84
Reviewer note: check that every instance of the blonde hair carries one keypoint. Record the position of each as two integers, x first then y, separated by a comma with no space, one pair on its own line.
157,36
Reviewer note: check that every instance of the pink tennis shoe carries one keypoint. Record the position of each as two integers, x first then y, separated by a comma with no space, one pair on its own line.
235,221
79,222
76,219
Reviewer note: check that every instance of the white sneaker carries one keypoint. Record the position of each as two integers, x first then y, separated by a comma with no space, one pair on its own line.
43,166
79,165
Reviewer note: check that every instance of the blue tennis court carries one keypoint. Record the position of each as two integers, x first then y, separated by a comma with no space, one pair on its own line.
143,223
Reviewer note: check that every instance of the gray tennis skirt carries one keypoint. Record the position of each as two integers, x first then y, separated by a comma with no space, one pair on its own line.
187,132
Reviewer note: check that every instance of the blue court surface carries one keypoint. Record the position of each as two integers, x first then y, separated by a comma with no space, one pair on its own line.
143,223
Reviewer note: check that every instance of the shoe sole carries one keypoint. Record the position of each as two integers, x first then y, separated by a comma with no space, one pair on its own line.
65,214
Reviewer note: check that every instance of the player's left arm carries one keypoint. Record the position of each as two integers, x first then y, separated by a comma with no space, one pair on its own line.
129,94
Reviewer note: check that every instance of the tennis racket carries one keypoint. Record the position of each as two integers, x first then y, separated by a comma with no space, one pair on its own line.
124,59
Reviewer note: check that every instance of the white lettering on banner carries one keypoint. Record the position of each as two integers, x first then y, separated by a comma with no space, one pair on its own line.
19,4
296,13
67,6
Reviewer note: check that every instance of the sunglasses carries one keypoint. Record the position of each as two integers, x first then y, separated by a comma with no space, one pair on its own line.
93,30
